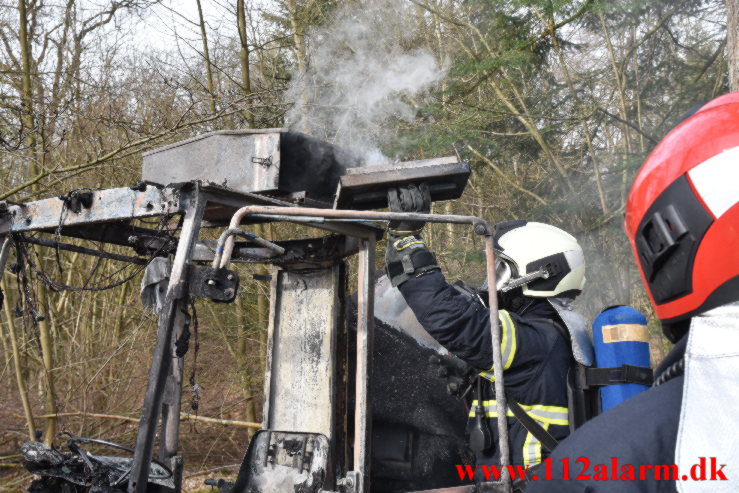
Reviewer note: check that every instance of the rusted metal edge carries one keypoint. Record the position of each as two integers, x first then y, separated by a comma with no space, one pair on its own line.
363,373
402,165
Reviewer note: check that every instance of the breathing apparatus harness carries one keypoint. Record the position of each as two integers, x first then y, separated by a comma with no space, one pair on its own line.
480,436
583,381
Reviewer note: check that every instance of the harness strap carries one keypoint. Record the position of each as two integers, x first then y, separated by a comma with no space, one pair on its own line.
561,329
599,377
409,264
673,371
582,400
546,439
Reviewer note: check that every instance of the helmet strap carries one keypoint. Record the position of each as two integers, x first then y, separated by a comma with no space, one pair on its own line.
514,301
542,273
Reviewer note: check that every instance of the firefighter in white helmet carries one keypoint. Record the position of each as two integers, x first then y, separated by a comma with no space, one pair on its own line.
540,269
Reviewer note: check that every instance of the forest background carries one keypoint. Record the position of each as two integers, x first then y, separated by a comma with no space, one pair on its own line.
554,103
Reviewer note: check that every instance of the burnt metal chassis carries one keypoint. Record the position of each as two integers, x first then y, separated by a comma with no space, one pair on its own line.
191,201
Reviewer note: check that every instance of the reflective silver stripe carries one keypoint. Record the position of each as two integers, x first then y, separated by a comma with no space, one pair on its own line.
546,414
532,448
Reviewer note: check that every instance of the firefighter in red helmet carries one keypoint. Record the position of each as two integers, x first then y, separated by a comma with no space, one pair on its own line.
682,219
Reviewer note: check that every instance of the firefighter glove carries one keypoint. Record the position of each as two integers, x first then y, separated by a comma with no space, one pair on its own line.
406,257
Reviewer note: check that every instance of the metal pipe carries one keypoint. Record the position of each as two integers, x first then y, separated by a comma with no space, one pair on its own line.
500,397
309,219
229,233
480,226
87,251
4,252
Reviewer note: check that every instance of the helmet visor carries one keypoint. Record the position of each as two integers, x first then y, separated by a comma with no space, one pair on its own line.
502,272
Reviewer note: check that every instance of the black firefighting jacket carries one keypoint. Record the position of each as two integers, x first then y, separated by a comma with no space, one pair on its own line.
536,359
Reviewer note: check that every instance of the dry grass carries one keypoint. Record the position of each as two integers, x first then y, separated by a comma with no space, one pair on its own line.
96,374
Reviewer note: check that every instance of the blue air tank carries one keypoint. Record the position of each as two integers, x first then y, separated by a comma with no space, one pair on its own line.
620,337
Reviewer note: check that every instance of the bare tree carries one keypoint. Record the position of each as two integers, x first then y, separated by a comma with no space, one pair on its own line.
732,45
206,58
244,57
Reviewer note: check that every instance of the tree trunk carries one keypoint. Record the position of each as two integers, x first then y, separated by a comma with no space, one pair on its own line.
47,354
26,88
20,376
242,353
732,47
244,57
31,144
623,110
300,54
584,120
301,57
206,56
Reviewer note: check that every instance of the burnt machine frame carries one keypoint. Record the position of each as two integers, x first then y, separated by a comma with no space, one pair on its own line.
192,201
205,206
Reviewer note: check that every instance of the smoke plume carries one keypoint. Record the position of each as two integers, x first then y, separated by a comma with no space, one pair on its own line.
363,70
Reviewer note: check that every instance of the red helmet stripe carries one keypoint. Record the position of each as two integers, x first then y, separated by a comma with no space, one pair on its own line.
715,181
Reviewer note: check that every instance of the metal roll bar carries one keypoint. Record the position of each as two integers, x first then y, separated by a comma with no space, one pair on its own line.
231,232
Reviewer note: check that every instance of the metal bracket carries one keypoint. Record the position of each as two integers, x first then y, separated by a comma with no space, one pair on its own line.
262,161
219,285
76,200
351,483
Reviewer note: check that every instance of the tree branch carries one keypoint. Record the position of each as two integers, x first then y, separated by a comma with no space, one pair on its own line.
515,185
113,153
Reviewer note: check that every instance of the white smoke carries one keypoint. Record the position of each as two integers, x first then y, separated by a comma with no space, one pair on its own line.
364,69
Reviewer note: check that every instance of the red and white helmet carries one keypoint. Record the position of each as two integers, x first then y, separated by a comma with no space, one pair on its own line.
682,214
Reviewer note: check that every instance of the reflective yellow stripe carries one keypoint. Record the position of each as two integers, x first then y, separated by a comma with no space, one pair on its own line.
406,245
508,343
532,448
550,415
509,352
526,448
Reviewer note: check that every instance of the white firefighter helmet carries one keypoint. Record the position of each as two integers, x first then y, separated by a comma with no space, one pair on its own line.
544,260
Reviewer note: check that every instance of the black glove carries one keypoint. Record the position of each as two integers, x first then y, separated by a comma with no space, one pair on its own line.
406,254
408,198
459,375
